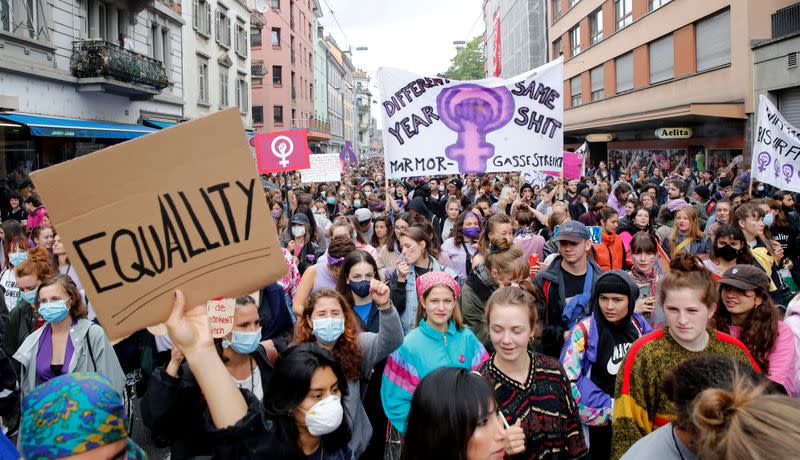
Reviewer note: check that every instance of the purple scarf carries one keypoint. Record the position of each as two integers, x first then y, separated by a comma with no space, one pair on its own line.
45,356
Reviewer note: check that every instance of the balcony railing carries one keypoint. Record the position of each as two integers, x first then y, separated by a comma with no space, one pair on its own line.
98,58
257,20
257,68
786,21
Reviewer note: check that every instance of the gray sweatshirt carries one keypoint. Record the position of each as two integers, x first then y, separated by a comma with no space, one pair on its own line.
374,348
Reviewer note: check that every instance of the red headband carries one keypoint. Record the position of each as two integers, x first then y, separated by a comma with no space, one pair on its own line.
431,279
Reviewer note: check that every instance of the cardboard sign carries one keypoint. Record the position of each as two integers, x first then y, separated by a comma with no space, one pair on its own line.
220,316
281,151
325,167
179,208
434,126
776,149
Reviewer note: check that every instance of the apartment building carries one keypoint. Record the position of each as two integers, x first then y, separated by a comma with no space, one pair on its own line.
516,36
657,80
284,98
76,77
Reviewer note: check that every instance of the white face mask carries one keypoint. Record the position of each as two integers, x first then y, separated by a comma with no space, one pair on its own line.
325,416
298,231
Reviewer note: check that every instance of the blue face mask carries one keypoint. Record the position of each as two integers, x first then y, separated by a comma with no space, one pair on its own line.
29,296
243,342
328,330
769,219
17,258
356,203
360,288
53,312
331,200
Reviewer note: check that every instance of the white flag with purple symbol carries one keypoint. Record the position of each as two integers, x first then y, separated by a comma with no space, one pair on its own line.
434,126
776,149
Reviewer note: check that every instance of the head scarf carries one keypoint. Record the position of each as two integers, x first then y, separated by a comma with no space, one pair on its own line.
431,279
73,414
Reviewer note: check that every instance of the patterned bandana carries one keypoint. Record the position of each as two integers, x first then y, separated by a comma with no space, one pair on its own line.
73,414
431,279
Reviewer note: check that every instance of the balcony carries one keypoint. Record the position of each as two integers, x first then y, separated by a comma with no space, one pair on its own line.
786,21
105,67
317,130
257,69
257,20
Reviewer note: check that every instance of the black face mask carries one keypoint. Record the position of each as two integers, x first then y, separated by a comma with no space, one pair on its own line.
728,253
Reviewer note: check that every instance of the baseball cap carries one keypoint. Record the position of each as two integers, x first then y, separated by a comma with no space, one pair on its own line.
574,231
299,218
363,215
746,277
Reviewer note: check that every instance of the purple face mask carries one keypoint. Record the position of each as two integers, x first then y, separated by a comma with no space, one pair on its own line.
472,232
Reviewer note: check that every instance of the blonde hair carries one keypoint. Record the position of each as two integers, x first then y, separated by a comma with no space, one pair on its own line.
694,227
747,423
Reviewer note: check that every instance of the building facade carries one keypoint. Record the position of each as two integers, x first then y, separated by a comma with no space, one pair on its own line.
516,36
664,80
216,48
77,77
336,95
321,119
364,112
776,73
285,97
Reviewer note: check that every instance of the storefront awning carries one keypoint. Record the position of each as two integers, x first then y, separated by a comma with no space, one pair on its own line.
159,124
71,127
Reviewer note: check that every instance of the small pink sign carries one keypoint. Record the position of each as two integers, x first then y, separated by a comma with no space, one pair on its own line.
281,151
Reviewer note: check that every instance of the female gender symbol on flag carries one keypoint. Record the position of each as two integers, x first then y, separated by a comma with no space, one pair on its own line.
281,151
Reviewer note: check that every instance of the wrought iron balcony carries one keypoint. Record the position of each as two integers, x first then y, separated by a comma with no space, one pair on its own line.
257,20
100,59
257,68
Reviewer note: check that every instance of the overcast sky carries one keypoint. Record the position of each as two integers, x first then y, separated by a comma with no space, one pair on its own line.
416,35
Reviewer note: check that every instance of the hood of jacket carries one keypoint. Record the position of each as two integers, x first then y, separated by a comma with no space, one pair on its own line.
633,294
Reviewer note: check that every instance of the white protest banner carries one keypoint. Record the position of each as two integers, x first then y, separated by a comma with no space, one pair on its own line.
434,126
776,149
325,167
220,316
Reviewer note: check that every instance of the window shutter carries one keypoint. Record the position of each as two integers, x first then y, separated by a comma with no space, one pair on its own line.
196,14
575,84
598,79
714,41
662,59
624,65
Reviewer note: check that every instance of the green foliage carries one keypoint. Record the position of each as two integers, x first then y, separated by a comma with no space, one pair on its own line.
468,63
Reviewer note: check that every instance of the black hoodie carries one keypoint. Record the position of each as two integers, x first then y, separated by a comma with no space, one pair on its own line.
613,341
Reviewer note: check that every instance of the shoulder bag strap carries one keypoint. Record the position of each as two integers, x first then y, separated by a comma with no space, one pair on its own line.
89,347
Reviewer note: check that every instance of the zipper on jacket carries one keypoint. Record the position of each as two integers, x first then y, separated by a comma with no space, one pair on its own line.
444,336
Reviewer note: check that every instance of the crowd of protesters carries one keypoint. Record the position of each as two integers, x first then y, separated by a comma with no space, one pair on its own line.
636,312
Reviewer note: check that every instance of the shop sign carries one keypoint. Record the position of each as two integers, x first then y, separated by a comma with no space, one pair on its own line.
606,137
674,133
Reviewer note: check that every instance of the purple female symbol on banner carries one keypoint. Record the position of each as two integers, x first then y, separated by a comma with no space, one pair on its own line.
473,111
777,166
788,171
763,160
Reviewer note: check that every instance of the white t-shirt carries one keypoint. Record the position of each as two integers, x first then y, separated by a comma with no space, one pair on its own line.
8,280
252,383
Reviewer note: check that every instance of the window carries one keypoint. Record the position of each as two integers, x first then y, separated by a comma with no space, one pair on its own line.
293,121
276,36
624,10
240,34
596,26
656,4
202,75
662,60
29,18
255,37
575,40
598,83
223,87
201,16
276,4
222,24
277,77
241,94
556,7
575,84
258,115
624,65
557,49
573,3
277,114
714,41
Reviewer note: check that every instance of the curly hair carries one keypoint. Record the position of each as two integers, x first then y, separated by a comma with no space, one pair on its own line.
346,348
759,330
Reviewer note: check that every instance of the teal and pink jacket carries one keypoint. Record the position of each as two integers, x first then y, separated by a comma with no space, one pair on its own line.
424,350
